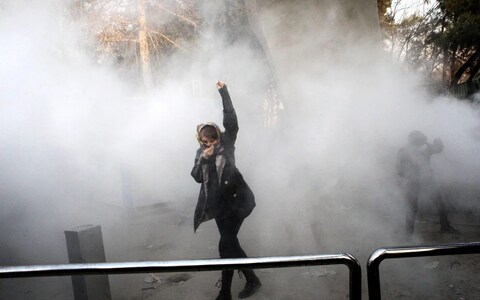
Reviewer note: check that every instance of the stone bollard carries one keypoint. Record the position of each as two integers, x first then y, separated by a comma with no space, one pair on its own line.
85,245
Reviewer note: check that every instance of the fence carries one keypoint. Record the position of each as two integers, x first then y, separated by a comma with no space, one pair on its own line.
194,265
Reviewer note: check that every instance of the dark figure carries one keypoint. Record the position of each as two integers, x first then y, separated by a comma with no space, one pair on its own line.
224,194
413,165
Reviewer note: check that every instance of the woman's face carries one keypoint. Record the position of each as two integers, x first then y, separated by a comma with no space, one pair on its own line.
207,142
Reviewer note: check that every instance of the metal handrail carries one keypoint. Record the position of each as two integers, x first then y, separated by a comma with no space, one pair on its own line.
351,262
373,265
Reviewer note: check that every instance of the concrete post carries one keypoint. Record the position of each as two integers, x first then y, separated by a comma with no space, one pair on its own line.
85,245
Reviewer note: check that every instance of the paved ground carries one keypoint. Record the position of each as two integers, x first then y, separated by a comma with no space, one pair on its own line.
163,233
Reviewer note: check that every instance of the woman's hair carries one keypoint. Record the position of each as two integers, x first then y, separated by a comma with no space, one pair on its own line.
209,132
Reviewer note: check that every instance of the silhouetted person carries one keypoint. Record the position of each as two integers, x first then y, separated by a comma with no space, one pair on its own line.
224,194
413,165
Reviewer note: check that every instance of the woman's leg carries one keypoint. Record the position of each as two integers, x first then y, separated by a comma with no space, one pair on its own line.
229,247
225,291
225,249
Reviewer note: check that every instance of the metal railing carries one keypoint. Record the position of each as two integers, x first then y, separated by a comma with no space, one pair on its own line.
373,274
351,262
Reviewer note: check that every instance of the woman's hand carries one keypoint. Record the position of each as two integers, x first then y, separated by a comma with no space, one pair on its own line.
207,152
220,84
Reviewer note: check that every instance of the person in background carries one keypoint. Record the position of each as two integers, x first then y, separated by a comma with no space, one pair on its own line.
224,194
414,168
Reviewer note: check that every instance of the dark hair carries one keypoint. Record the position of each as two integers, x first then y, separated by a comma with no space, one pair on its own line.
208,131
417,138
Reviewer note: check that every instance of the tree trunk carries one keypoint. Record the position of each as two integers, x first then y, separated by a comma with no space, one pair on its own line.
471,85
445,57
453,58
474,70
143,45
473,58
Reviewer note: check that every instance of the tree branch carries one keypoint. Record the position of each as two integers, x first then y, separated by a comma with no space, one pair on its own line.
177,15
169,40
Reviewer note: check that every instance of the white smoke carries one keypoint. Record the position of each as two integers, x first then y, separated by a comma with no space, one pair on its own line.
324,179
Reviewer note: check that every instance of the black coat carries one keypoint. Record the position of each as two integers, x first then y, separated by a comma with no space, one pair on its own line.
232,194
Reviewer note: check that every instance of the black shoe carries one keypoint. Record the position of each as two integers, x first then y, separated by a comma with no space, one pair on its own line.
224,295
250,288
448,229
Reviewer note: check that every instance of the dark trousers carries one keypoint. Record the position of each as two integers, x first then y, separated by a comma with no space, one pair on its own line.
229,246
413,191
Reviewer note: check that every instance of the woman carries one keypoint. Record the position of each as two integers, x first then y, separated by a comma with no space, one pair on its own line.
224,194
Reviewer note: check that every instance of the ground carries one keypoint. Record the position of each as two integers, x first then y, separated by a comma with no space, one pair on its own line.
157,232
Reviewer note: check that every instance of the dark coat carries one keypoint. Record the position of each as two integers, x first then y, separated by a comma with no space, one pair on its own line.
413,161
232,194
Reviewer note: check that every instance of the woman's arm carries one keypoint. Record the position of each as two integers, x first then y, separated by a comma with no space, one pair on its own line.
230,121
197,166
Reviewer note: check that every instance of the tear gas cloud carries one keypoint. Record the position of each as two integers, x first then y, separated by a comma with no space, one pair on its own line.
324,177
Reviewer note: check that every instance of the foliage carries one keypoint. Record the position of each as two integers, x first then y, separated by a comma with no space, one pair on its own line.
460,37
383,15
442,42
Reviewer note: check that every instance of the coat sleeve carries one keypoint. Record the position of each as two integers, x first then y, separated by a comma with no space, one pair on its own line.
435,148
230,121
197,166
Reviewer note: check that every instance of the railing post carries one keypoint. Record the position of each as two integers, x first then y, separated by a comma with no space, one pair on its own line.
373,274
355,277
373,265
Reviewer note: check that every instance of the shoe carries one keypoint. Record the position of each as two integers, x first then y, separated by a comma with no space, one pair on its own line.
224,295
250,288
448,229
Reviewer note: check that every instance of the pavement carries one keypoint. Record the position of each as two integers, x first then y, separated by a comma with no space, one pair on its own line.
163,232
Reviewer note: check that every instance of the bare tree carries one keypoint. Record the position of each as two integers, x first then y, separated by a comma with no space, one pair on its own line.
138,35
143,44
